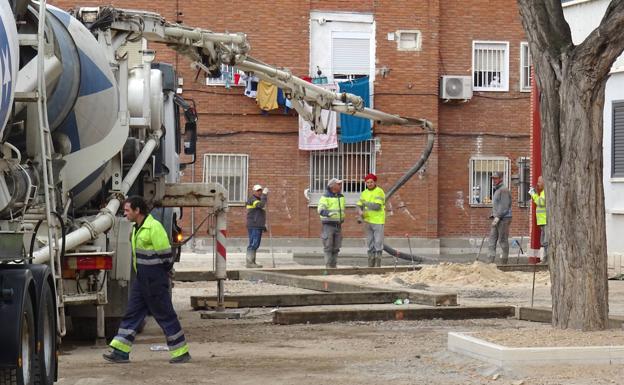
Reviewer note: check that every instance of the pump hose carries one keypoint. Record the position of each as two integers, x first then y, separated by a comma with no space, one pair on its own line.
413,170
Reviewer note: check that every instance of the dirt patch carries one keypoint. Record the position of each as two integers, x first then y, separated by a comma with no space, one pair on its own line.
546,336
476,275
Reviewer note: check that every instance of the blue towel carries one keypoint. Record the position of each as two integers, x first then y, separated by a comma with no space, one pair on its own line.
354,129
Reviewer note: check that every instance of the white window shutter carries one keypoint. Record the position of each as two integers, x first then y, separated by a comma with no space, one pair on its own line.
351,56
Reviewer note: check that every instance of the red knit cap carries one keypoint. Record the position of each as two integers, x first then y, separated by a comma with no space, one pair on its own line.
370,176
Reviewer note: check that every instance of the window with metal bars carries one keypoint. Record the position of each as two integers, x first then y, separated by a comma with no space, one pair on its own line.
481,169
350,162
229,170
490,66
230,76
525,67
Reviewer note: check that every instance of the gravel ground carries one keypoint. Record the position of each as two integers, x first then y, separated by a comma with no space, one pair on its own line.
255,351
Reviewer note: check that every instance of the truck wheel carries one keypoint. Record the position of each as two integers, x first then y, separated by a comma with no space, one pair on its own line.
23,375
46,357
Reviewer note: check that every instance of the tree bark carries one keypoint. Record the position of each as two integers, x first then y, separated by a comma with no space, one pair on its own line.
572,80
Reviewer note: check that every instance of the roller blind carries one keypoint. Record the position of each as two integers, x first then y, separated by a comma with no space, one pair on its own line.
617,153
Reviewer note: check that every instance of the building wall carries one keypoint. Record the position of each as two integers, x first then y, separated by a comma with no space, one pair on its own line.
583,17
433,204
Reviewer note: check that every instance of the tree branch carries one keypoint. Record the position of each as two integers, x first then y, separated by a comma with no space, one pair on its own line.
595,56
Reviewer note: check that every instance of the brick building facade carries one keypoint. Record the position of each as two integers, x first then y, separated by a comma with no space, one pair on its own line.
436,203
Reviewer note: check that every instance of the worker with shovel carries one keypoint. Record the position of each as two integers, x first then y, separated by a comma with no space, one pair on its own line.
371,210
539,197
501,218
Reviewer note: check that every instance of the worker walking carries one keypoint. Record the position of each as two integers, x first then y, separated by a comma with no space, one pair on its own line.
256,222
152,260
539,197
501,218
372,210
331,208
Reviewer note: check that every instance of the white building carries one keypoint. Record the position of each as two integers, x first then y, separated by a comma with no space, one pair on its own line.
584,16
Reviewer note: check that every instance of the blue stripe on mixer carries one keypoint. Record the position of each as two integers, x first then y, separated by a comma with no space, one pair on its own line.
70,128
6,77
64,17
92,79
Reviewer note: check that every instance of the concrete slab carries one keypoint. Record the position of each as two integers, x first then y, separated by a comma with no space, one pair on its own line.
307,299
326,314
226,314
510,358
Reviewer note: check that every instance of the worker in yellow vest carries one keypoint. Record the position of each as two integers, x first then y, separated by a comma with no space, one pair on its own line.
372,210
539,198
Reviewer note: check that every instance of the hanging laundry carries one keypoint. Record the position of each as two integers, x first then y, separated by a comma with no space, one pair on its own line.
310,140
352,128
282,101
251,87
266,96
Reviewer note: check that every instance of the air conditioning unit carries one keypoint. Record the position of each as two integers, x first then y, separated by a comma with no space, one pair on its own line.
456,87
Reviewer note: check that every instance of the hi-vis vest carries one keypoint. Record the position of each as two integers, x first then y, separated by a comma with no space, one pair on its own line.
336,207
150,244
540,208
376,195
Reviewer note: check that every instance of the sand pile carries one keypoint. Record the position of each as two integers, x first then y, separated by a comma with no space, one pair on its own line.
473,274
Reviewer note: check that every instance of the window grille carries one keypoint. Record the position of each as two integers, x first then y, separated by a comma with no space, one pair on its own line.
349,162
481,170
525,67
228,77
617,146
490,66
230,170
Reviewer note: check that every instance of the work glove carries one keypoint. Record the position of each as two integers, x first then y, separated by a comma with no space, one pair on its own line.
495,221
324,213
359,219
532,191
265,191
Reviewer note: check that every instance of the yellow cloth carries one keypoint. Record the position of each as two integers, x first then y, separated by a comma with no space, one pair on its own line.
266,96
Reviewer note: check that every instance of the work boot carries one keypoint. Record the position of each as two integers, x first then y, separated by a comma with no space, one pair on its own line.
251,260
504,260
186,357
116,356
378,258
371,259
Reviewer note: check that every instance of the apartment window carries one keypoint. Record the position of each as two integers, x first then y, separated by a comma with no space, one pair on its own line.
617,146
350,54
525,67
481,170
490,66
230,76
349,162
229,170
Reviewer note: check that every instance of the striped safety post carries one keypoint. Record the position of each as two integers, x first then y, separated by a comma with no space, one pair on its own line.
221,261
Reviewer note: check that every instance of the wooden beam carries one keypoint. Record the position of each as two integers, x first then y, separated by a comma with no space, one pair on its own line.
306,299
321,284
327,314
544,314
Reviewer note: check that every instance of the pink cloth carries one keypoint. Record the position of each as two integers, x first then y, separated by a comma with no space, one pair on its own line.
309,140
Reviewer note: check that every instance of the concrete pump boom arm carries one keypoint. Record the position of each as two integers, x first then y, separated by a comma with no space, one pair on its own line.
209,50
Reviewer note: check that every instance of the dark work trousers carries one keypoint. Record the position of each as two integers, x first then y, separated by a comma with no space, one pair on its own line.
255,237
149,293
500,234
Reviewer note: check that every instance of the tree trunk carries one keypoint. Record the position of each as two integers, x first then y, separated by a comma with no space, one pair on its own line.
576,214
572,80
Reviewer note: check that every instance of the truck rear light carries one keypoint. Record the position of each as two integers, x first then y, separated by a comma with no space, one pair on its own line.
99,262
179,237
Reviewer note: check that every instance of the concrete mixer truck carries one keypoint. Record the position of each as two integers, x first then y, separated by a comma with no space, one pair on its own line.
82,126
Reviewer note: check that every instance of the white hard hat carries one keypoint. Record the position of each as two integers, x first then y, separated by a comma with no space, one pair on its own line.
257,187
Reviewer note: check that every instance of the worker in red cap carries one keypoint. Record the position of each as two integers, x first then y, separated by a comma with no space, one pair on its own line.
372,210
